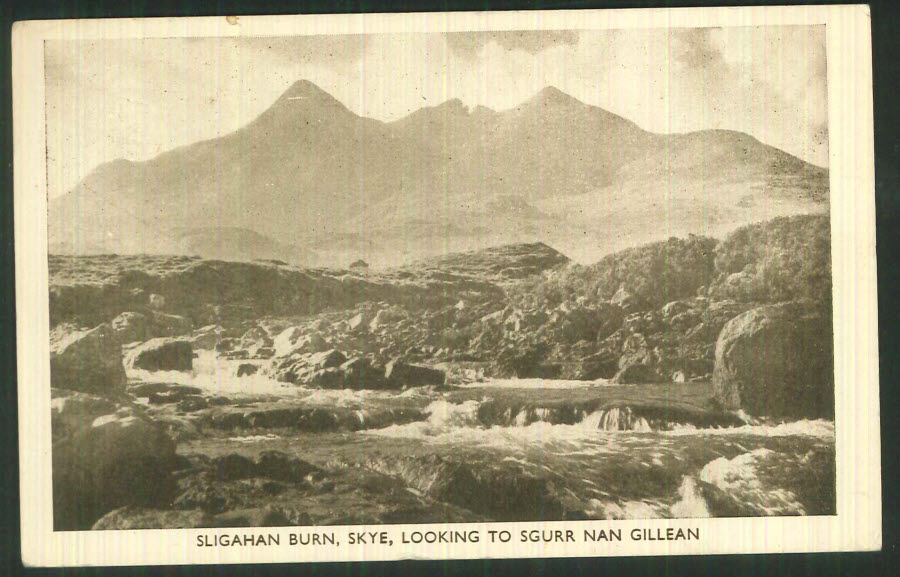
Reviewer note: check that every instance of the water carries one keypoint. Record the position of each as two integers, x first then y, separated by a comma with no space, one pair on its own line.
567,449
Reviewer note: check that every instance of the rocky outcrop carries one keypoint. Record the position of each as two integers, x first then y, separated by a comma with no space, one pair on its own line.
105,460
88,361
777,361
162,354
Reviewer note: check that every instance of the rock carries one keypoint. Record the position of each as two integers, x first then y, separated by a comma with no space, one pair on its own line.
359,374
624,300
313,343
130,327
147,389
173,395
87,361
72,411
232,467
777,361
226,345
207,338
326,359
116,461
254,340
280,466
165,325
360,322
129,518
400,375
386,317
678,377
637,374
246,369
597,366
191,403
286,340
156,301
269,516
264,353
674,308
162,354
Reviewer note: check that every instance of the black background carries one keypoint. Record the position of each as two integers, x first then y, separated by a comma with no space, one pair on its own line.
886,56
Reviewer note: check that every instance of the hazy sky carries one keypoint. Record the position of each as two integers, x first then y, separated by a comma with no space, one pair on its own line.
136,98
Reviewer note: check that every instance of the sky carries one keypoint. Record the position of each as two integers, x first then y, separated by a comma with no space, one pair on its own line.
134,99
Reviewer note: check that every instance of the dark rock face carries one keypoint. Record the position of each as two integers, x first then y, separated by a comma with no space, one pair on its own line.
400,374
109,462
162,354
777,361
89,361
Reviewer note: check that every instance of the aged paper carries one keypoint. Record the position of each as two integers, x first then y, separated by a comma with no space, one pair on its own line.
446,286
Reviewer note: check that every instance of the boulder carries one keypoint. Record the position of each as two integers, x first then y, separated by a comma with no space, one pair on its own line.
246,369
777,361
360,322
162,354
311,343
359,374
255,340
87,361
71,412
400,375
280,466
191,403
286,340
165,325
326,359
386,317
207,338
117,460
637,373
131,327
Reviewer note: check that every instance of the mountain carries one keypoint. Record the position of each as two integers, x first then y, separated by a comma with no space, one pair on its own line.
310,182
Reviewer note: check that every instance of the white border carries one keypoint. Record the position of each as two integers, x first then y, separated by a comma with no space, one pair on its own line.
857,525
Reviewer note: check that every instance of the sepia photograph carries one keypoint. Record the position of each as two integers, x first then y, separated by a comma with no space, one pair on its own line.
438,280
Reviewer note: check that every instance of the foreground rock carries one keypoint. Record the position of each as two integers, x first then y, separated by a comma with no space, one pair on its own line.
777,361
88,361
104,462
162,354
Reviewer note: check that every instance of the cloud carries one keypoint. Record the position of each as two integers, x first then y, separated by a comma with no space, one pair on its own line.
468,44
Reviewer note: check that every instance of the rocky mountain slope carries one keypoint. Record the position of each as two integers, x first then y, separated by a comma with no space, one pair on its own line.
648,314
312,183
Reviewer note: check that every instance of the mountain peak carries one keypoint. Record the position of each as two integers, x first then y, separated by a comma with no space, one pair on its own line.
308,92
555,96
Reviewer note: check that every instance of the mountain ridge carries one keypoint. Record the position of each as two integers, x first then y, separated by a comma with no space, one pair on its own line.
308,172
